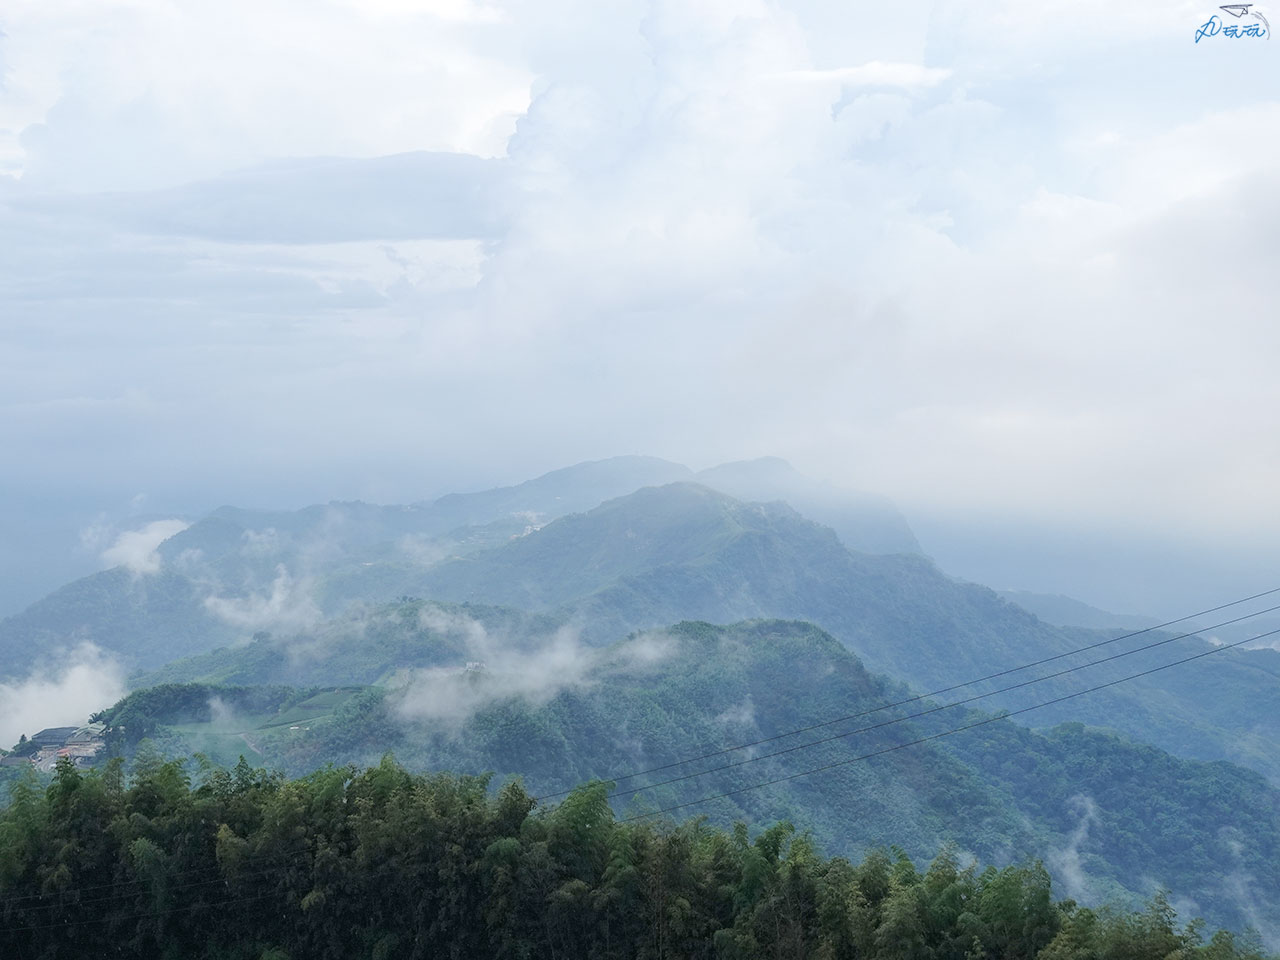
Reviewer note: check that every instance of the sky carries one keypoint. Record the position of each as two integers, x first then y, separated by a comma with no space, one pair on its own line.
1009,264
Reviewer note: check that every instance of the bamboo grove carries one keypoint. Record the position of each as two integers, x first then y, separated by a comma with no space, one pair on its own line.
382,863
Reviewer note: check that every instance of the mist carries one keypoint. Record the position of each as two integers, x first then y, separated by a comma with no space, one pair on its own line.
63,689
501,668
357,364
1242,887
136,550
1066,862
859,283
288,606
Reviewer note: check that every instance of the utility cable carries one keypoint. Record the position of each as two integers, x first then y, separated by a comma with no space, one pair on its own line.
946,733
923,713
288,860
955,686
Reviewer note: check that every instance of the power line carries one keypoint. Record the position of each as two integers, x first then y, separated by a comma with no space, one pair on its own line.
956,686
923,713
720,796
289,860
946,733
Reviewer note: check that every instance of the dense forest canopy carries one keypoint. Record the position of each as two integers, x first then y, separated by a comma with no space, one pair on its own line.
1113,820
381,863
546,651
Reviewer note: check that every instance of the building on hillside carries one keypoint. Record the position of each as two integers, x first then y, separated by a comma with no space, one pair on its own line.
90,735
79,744
52,737
85,744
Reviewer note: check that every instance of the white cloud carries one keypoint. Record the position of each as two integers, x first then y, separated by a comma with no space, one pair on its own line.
739,715
288,607
1066,863
62,691
1241,886
423,550
458,10
498,668
136,549
534,675
128,94
876,73
1014,258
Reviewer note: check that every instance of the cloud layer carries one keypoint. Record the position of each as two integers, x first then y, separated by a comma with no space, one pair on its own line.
136,550
987,257
289,606
500,668
62,691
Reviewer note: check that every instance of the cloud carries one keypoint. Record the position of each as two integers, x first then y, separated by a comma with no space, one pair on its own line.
501,668
63,690
164,99
1241,886
642,650
136,550
534,676
977,244
404,197
97,536
422,549
1066,863
739,715
875,74
289,606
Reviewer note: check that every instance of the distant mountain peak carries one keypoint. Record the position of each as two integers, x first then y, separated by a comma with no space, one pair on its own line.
866,523
763,465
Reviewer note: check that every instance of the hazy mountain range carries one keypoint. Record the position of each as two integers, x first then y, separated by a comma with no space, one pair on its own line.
529,629
1110,816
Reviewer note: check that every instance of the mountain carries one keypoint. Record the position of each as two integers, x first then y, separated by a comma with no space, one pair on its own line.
366,647
655,556
864,523
686,552
1068,612
156,617
569,490
1110,817
238,572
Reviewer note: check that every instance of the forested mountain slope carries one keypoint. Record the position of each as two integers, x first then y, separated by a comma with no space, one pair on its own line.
236,572
864,523
654,557
1068,612
151,618
684,551
1110,816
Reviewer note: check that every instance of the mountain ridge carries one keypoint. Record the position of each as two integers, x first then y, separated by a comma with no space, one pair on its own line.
1000,790
343,551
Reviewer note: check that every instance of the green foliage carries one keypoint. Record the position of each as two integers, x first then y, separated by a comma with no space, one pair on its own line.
685,552
347,863
141,714
362,648
1206,831
147,620
654,557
